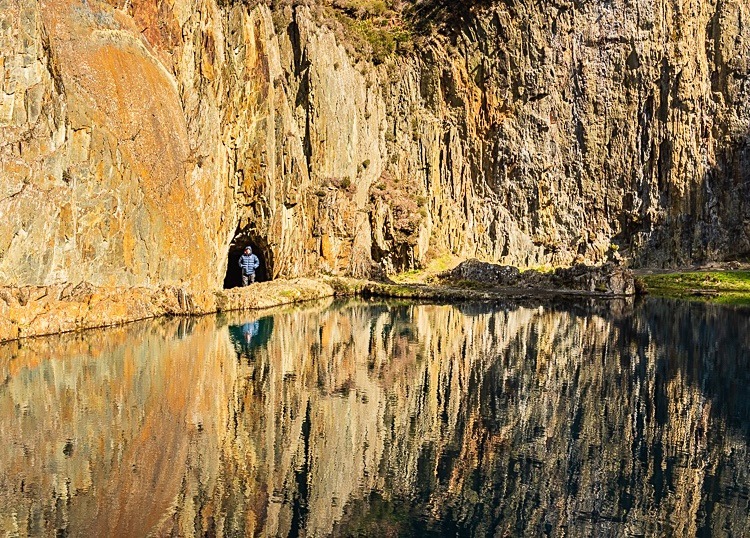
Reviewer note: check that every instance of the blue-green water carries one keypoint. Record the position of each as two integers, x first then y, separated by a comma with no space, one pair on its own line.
384,419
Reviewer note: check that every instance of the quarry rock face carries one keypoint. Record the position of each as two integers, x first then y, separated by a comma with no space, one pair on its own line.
141,144
96,155
558,133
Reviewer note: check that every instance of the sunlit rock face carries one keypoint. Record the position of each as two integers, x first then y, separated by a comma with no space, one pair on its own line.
383,419
96,155
140,140
137,142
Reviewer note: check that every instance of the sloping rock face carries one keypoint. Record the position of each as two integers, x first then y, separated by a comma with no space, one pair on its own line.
140,141
96,156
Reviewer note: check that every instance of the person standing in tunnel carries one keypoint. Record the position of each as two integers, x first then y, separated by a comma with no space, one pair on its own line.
249,262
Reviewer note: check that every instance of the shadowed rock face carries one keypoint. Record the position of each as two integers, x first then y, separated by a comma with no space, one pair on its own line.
137,139
386,419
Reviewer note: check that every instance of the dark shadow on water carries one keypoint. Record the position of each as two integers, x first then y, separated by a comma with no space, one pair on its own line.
709,345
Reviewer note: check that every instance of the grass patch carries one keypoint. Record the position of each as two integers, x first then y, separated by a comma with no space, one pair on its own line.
429,274
722,287
409,277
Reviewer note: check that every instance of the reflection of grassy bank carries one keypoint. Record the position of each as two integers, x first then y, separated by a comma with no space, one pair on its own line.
724,287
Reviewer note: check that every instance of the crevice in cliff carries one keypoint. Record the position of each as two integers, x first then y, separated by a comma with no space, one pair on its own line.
51,63
302,98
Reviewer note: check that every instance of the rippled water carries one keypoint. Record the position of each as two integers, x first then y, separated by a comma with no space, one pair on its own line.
384,419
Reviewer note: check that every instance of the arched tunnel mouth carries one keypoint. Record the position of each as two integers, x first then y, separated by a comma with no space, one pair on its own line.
242,239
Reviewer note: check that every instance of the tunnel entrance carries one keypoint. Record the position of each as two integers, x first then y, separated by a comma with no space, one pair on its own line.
233,278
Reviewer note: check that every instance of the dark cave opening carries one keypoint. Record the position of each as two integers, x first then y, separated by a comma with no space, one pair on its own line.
243,238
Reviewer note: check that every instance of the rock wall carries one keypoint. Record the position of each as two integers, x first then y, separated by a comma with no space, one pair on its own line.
140,142
96,156
555,132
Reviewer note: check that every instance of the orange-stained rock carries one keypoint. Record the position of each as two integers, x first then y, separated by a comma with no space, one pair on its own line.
43,310
140,140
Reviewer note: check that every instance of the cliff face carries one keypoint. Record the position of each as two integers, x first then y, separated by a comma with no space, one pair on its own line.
142,142
552,132
137,144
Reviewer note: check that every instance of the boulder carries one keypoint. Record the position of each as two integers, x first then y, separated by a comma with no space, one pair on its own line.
485,273
608,278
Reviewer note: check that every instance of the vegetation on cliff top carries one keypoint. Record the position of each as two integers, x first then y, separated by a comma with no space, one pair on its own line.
374,30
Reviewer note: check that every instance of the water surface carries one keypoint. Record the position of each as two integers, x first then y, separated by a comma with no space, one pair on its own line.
384,419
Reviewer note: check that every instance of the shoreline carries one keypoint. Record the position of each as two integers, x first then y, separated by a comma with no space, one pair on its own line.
728,286
36,311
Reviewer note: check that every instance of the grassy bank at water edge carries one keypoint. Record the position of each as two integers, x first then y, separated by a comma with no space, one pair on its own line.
724,287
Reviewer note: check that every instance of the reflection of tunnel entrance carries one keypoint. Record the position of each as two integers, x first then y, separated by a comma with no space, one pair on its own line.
241,239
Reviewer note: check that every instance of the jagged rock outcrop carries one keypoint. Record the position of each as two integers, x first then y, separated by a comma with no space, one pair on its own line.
141,141
608,279
551,132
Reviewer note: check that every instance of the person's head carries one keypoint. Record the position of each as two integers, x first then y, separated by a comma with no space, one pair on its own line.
248,250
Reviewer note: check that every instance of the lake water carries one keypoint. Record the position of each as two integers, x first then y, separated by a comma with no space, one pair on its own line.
384,419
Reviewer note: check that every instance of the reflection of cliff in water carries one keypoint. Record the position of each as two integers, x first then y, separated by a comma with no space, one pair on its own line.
585,426
385,419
